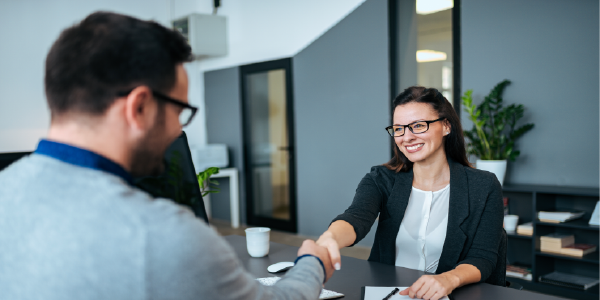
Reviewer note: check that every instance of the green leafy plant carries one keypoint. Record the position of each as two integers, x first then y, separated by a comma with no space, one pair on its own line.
208,186
171,184
494,134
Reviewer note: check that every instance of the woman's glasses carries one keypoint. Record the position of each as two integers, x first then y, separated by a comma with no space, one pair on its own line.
414,127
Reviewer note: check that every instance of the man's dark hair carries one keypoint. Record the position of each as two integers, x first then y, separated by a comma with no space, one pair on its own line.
107,53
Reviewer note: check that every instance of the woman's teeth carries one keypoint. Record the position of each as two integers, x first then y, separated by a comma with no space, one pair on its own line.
415,147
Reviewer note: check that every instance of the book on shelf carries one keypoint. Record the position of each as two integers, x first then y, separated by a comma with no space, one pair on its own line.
569,280
517,271
578,250
555,242
557,239
551,250
559,216
525,229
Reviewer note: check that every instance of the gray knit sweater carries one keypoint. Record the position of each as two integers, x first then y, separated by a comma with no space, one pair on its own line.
69,232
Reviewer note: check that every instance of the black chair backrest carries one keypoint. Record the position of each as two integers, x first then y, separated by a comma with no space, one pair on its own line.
498,276
179,182
8,158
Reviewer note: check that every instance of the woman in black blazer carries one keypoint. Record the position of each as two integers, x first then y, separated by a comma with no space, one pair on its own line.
429,156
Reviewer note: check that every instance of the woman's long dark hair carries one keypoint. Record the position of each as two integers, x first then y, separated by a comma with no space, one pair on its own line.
454,143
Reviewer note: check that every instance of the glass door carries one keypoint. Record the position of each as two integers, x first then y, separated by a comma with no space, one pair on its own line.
268,144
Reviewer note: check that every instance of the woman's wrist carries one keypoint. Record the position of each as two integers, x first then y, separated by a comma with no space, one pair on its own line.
326,235
453,278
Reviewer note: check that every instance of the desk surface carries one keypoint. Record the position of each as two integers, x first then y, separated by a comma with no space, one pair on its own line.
356,273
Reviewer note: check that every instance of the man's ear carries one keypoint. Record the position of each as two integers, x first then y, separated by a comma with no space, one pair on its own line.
140,109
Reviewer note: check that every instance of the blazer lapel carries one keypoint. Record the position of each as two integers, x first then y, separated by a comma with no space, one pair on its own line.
396,207
458,211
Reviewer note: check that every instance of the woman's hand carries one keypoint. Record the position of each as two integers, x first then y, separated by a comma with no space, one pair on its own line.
435,287
432,287
326,240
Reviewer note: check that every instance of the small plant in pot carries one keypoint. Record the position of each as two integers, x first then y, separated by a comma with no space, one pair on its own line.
208,186
494,133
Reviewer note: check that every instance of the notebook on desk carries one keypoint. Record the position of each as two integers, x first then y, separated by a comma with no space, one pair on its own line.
380,292
325,294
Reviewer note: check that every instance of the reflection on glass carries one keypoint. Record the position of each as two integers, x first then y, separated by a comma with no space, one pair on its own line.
434,43
425,44
269,143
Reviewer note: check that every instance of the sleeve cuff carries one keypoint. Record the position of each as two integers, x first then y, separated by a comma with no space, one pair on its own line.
322,265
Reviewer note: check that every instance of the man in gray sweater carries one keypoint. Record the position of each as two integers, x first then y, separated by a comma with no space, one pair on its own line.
72,225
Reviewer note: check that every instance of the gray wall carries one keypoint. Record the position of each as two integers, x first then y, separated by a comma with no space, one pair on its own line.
341,88
549,50
223,125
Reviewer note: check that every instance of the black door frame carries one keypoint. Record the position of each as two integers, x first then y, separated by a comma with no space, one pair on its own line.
253,220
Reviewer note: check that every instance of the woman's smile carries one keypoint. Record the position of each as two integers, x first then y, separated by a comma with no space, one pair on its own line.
414,147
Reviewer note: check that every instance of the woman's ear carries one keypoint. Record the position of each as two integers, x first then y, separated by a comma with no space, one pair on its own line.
447,127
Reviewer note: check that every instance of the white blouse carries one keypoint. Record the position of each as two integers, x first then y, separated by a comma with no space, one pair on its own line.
422,232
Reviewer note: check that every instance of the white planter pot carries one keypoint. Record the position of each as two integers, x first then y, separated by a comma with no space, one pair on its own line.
498,167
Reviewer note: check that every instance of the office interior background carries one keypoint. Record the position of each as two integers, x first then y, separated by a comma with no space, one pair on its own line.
340,85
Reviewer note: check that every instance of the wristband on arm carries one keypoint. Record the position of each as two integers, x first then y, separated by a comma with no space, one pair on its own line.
322,265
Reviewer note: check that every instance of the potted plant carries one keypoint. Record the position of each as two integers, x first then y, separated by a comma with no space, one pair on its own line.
494,133
205,182
207,186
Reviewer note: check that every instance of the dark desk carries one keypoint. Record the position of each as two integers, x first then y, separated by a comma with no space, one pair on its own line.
356,273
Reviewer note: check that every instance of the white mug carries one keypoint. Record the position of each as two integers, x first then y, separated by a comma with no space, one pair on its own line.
257,241
510,222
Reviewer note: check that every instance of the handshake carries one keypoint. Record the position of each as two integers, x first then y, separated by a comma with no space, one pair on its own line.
327,250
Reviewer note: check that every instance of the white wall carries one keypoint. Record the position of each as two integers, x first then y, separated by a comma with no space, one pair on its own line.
27,30
258,30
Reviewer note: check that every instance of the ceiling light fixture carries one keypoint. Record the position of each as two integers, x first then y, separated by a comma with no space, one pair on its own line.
425,7
430,55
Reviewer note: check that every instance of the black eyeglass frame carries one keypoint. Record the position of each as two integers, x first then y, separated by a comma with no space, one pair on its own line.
168,99
390,129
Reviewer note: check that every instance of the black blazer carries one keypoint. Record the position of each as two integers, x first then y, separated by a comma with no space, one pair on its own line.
475,217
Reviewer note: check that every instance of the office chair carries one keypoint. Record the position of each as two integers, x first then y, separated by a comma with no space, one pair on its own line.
178,182
8,158
498,276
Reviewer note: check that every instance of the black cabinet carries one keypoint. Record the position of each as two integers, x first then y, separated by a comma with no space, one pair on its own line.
525,201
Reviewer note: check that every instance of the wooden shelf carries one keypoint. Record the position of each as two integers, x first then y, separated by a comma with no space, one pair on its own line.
518,236
591,293
550,189
589,258
525,201
581,223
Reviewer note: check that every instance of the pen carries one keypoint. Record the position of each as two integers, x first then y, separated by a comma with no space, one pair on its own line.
391,294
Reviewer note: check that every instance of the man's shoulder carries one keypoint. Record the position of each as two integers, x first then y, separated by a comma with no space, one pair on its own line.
38,178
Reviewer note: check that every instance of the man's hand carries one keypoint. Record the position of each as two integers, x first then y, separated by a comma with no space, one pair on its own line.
326,240
310,247
431,287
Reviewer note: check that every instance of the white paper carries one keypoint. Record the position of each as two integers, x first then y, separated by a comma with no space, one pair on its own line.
595,219
379,292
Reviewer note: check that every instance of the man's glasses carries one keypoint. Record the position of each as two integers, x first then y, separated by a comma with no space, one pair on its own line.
187,113
414,127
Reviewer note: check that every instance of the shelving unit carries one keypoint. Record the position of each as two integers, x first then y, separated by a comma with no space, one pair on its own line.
525,201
